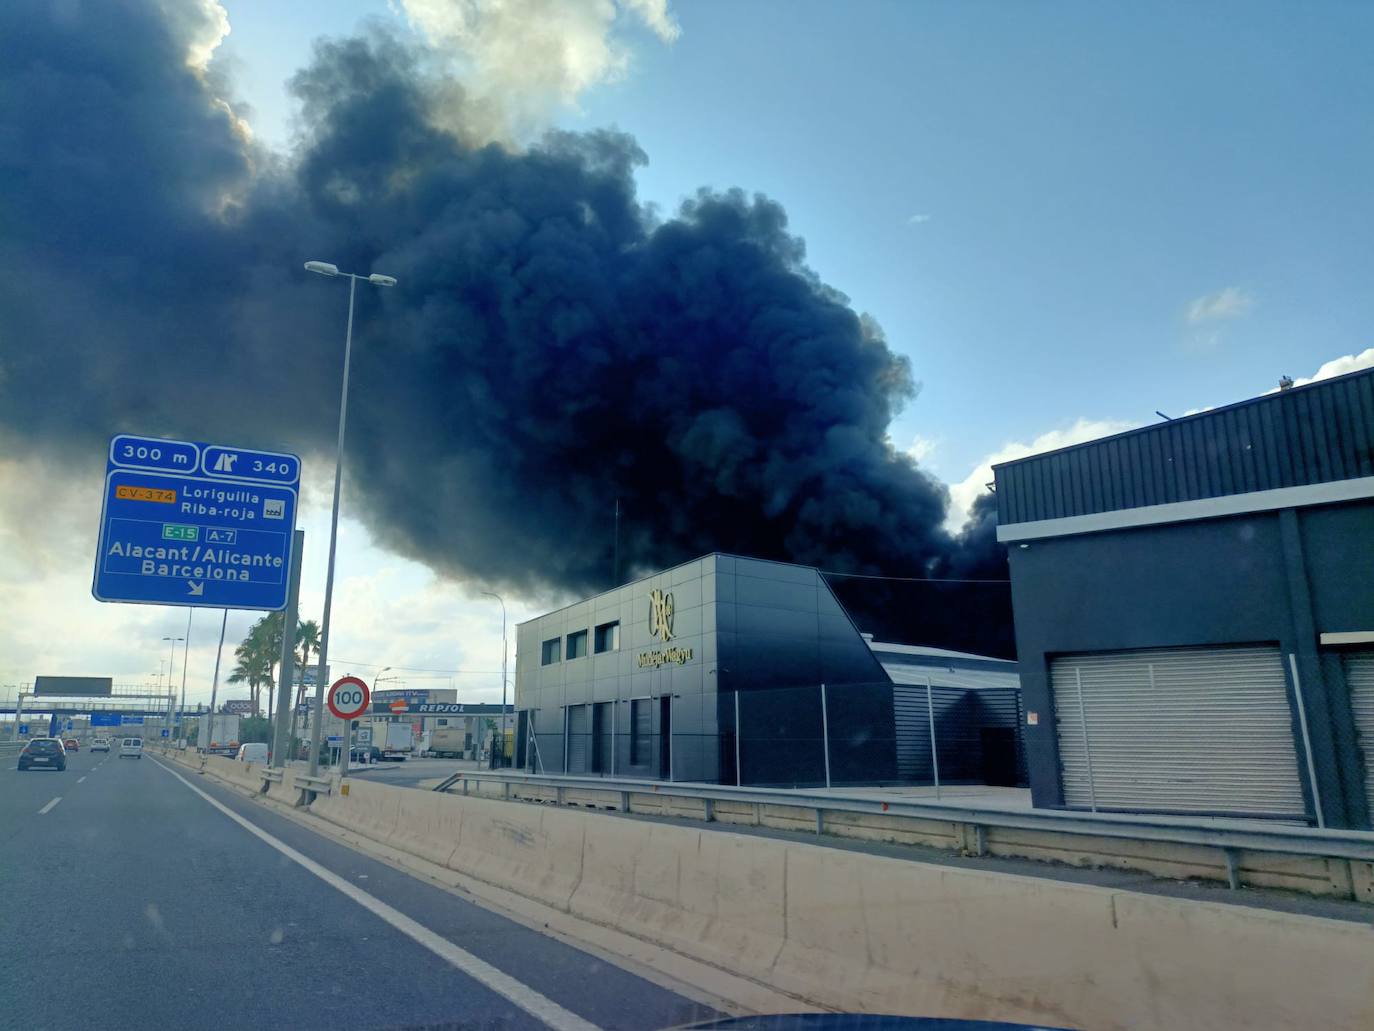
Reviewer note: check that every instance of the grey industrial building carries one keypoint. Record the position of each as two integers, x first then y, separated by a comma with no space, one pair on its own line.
1194,607
738,670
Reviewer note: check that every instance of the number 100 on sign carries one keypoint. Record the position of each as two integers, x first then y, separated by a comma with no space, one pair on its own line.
349,698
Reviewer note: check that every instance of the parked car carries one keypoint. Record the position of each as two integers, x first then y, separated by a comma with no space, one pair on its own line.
132,747
44,752
71,744
100,744
253,752
364,754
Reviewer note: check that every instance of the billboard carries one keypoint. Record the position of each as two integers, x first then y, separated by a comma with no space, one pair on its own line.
83,687
238,707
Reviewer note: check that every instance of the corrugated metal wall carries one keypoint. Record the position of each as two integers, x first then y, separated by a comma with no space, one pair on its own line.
960,716
1313,434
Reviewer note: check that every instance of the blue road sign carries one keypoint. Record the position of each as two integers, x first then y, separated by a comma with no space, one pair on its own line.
126,720
105,719
23,728
164,731
70,724
203,525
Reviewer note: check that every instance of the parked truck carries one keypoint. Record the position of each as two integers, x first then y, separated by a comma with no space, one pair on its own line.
394,740
222,737
448,742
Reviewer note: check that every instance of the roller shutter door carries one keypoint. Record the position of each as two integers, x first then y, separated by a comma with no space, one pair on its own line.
1359,679
1178,730
579,738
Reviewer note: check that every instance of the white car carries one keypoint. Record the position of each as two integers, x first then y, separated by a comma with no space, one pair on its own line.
100,744
131,746
252,753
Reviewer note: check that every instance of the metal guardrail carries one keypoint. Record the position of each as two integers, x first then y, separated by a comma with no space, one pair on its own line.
319,785
1302,841
271,775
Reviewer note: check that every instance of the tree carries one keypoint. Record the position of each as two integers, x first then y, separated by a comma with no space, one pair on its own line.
307,640
250,668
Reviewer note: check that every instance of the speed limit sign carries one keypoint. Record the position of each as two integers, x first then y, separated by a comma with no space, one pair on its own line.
348,698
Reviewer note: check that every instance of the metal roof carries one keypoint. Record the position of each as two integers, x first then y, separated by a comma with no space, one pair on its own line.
912,664
1316,433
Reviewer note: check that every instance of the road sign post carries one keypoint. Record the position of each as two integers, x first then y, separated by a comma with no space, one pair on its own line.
349,698
283,740
201,525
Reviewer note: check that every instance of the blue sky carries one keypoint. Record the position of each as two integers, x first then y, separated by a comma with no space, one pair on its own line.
1084,171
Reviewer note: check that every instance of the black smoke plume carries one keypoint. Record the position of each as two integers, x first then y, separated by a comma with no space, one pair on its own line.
553,348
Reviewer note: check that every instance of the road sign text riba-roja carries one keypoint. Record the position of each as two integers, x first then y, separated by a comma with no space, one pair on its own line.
196,524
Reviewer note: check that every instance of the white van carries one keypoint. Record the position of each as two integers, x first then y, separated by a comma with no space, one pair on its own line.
131,746
252,753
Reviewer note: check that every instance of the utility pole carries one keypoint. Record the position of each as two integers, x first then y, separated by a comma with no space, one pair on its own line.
504,650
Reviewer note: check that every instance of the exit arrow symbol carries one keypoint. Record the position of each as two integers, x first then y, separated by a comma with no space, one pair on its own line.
196,589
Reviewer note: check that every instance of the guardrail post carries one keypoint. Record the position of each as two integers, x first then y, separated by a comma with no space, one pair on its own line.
624,801
465,785
558,795
506,790
820,820
1232,868
710,807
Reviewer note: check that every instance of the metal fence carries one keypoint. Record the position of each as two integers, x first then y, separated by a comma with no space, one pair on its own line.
815,735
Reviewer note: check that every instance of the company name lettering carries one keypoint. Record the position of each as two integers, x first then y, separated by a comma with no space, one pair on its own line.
664,656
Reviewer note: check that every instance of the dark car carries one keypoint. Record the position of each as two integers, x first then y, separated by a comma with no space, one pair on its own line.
43,753
365,754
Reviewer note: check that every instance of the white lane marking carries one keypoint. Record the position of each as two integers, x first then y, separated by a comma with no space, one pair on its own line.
503,984
80,779
48,808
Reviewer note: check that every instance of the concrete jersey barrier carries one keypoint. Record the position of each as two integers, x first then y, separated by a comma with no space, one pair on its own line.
853,931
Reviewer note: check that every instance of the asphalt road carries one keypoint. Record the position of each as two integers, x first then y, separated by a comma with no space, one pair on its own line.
135,902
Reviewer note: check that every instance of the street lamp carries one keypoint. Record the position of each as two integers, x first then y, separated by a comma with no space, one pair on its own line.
492,594
324,268
171,698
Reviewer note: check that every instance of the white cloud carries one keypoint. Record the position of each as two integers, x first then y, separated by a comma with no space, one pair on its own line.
530,59
922,449
1340,366
1229,303
963,494
916,220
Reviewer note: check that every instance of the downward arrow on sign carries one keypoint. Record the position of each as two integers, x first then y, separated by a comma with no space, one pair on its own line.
196,589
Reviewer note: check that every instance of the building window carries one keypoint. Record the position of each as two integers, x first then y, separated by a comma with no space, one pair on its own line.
608,638
552,652
443,723
577,644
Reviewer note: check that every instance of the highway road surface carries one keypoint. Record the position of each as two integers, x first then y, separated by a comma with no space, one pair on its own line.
135,894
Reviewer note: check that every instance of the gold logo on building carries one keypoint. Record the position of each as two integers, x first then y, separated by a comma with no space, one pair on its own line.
661,615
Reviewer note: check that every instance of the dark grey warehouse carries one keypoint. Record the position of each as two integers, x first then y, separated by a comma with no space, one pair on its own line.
737,670
1194,606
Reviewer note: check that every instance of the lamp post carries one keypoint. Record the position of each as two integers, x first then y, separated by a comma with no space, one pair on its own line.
171,698
324,268
185,658
491,594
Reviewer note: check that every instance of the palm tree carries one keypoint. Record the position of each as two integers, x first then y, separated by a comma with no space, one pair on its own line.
307,640
250,669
